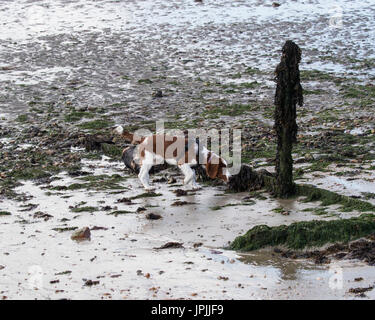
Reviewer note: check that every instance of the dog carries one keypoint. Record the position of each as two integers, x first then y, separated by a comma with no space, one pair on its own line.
183,152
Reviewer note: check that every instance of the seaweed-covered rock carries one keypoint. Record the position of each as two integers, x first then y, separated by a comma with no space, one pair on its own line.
94,142
304,234
248,179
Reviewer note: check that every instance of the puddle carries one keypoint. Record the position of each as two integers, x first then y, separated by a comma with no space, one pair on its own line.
357,186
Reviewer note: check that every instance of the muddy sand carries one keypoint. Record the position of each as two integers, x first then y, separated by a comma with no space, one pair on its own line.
69,70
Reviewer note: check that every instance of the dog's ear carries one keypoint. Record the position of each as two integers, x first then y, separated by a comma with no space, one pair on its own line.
221,175
212,169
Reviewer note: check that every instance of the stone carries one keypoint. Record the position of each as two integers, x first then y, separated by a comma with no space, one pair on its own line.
82,234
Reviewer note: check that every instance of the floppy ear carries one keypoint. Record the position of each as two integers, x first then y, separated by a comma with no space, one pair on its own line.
212,169
221,175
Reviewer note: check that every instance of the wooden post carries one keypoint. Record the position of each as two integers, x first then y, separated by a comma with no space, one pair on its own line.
288,94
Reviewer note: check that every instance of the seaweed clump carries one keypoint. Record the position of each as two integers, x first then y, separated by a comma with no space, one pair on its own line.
328,198
300,235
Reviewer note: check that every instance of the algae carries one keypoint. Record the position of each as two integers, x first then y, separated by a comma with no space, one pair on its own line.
120,212
111,150
84,209
246,203
329,198
300,235
95,124
65,229
146,195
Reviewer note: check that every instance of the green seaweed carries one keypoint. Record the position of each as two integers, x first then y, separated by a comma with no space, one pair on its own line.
75,116
119,212
95,124
146,195
300,235
247,203
328,198
65,229
30,173
111,150
229,110
146,81
95,182
22,118
84,209
319,75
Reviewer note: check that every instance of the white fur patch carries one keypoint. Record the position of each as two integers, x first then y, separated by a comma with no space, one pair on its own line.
119,130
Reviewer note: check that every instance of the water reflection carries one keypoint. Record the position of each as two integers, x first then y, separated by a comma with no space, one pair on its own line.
290,269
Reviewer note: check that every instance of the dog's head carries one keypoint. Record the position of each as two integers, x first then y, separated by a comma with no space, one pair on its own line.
216,167
129,158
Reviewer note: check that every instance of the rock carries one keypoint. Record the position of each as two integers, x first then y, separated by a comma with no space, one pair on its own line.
360,290
180,192
90,283
125,200
141,209
98,228
170,245
106,208
309,157
276,4
162,179
157,94
153,216
50,152
42,215
179,203
171,180
82,234
248,179
94,142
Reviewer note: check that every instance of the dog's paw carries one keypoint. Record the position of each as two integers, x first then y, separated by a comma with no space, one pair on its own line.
150,188
196,187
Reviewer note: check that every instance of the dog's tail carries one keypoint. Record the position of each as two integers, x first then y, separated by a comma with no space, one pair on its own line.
127,136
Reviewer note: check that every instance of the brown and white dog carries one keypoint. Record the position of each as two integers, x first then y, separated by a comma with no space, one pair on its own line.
174,150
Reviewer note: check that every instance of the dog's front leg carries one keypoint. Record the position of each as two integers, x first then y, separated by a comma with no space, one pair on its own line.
144,176
189,176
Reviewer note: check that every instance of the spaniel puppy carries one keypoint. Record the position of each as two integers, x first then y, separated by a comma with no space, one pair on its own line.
175,150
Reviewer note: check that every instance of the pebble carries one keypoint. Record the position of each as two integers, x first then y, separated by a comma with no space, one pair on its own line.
82,234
